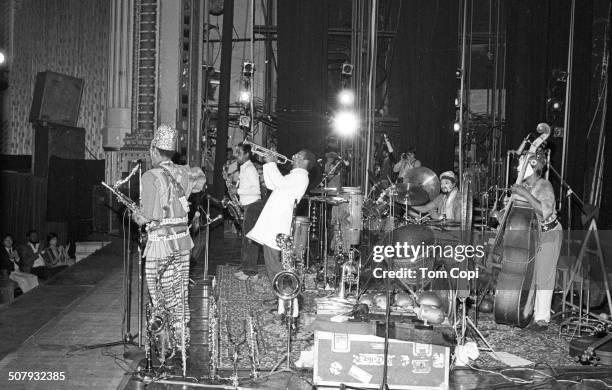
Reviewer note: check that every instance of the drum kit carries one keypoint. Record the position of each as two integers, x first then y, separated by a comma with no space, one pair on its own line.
381,211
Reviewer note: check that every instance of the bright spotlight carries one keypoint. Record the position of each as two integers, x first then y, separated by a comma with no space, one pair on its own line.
456,127
245,96
346,123
346,97
2,58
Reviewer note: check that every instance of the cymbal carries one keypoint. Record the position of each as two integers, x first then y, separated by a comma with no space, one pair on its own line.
335,200
326,190
441,222
421,185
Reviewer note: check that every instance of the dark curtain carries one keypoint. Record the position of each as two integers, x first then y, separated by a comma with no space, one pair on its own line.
70,193
23,204
302,76
537,36
423,82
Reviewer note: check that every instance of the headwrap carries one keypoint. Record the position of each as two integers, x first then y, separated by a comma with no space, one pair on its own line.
449,175
166,138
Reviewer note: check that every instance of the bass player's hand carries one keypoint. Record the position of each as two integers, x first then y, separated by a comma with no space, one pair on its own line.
140,219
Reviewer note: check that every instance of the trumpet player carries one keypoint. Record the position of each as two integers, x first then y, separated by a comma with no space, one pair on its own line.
249,192
277,214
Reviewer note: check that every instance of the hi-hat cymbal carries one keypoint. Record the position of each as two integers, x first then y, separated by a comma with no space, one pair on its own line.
421,185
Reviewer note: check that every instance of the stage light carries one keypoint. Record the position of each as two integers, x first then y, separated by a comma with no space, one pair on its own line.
554,105
346,123
2,58
457,102
248,68
347,70
245,96
456,127
346,97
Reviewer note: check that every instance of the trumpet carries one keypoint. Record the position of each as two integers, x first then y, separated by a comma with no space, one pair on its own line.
261,151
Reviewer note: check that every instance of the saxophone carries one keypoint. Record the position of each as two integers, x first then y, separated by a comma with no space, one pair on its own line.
232,204
213,339
253,345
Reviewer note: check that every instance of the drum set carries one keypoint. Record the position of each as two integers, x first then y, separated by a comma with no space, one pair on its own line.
345,220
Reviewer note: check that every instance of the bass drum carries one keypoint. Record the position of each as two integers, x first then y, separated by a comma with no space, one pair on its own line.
515,296
415,236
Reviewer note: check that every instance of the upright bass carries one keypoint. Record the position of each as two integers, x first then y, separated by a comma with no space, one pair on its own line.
518,234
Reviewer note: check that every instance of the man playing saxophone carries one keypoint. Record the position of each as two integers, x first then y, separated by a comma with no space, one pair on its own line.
276,216
250,199
165,189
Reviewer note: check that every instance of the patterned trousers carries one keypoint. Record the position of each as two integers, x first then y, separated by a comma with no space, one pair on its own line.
174,297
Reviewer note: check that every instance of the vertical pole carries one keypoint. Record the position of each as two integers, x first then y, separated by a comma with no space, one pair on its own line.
371,91
194,137
568,98
224,96
462,86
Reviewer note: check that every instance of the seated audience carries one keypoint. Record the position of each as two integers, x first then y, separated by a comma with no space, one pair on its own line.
30,254
55,256
10,266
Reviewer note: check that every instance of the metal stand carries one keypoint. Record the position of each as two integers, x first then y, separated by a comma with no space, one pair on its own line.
287,357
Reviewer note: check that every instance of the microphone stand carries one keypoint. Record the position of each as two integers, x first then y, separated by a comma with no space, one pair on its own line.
128,339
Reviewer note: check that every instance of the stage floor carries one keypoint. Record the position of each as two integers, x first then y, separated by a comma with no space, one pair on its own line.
47,329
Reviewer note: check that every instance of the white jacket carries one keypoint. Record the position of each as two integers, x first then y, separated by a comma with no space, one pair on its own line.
276,215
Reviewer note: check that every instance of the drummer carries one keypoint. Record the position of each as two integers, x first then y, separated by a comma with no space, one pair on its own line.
447,205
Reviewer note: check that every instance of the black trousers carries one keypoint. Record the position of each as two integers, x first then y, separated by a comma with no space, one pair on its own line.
250,249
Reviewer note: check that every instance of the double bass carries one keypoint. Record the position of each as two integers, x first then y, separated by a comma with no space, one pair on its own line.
518,234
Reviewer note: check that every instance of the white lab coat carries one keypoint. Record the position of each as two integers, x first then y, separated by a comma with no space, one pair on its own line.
275,218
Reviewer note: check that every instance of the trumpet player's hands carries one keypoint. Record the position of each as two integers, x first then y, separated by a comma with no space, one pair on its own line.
270,158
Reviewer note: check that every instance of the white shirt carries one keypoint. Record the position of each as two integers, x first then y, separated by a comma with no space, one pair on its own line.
39,262
275,218
248,184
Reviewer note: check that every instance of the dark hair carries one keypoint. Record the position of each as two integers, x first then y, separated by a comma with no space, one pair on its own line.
246,149
7,235
30,232
310,157
51,236
169,154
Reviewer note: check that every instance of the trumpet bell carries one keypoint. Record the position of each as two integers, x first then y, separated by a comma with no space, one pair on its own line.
286,285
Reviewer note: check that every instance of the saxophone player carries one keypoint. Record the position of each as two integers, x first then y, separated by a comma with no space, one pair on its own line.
165,189
249,192
277,214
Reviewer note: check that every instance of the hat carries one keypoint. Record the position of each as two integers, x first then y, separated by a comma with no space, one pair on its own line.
331,155
166,138
448,175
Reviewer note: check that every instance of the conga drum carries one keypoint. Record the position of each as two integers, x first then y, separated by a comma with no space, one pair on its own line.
350,214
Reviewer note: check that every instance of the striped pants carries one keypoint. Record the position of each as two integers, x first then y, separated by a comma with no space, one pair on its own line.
174,286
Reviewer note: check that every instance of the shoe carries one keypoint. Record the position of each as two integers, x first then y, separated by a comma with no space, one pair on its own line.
271,301
241,276
250,272
539,326
254,278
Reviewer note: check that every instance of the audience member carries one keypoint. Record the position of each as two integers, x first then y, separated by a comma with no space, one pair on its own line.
10,266
30,254
55,256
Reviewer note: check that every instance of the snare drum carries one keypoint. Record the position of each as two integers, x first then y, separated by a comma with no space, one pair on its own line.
373,209
300,235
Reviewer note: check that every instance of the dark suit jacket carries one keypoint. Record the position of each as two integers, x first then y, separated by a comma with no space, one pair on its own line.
28,256
6,265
